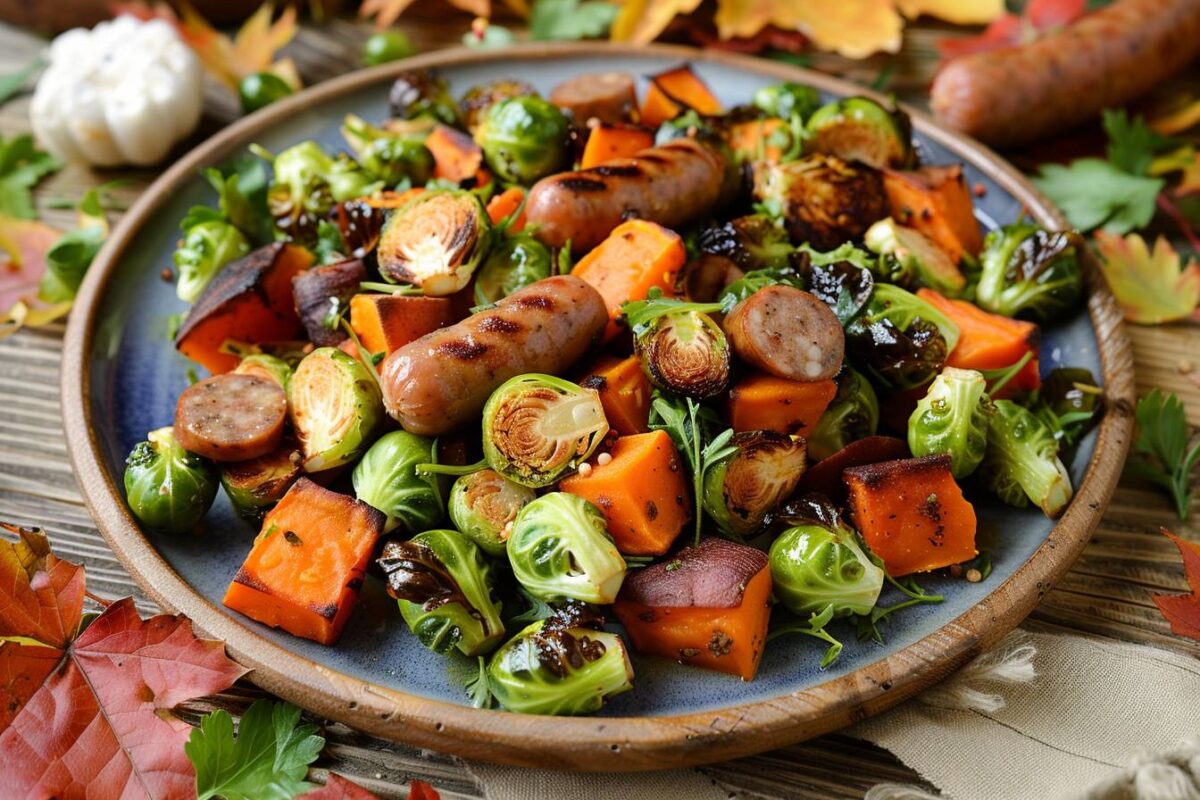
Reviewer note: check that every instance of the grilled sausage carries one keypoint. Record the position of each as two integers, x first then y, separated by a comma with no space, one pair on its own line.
231,417
607,96
443,379
672,185
1018,94
788,333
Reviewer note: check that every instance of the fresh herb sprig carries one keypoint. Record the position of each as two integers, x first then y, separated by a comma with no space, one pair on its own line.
1161,455
814,626
639,315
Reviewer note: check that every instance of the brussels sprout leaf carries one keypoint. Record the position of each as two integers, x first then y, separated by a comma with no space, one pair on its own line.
1183,610
1152,286
1161,454
814,626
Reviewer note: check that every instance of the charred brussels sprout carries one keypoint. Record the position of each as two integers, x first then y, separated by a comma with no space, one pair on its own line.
474,105
902,339
752,242
255,486
742,489
787,99
841,278
207,246
387,157
859,129
822,200
1069,402
917,255
560,550
536,427
1030,271
266,366
1022,463
524,139
387,479
853,415
952,418
513,264
335,406
307,182
818,563
549,668
435,241
422,93
444,588
168,489
484,506
685,352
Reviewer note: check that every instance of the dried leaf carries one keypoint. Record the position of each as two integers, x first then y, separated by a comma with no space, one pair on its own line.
1039,17
23,248
1151,287
1176,114
41,596
958,12
338,788
852,28
1183,610
1186,162
641,21
420,790
386,12
251,50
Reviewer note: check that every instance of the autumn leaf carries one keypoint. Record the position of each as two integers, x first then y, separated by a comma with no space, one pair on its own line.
1185,162
1175,113
957,12
641,21
385,12
338,788
420,790
852,28
1006,30
23,248
1151,286
1183,610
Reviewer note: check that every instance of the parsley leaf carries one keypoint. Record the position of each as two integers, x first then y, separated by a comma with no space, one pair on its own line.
570,19
814,626
1094,193
267,761
330,244
479,688
1161,454
12,84
21,167
1132,145
67,261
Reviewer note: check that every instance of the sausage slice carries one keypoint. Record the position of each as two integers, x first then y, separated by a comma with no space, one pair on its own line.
788,333
231,417
606,96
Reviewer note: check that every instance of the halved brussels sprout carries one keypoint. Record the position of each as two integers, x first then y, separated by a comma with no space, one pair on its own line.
686,353
536,427
902,339
1030,271
916,253
548,668
859,129
336,408
307,182
560,550
952,418
484,507
386,478
853,415
524,139
255,486
1022,463
167,488
422,93
513,264
1069,402
435,242
752,242
385,156
207,246
444,588
742,489
266,366
823,200
474,105
818,563
786,99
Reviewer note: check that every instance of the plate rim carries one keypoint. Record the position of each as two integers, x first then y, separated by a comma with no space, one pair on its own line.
628,743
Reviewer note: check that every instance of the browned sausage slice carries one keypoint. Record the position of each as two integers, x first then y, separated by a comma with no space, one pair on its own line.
787,332
606,96
231,417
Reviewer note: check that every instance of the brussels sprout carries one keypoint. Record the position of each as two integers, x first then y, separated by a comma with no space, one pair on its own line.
686,353
255,486
752,242
524,139
307,182
551,669
952,418
1030,271
385,46
536,427
917,255
207,246
484,506
859,129
387,157
266,366
786,99
1069,402
260,89
435,241
560,550
445,591
823,200
422,93
841,278
474,105
1022,461
743,488
818,563
757,279
167,488
902,339
387,479
691,125
335,406
513,264
853,415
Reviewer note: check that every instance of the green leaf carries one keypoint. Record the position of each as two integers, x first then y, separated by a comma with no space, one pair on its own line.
479,688
330,245
21,167
1161,454
12,84
1132,145
814,626
266,761
570,19
1094,193
67,261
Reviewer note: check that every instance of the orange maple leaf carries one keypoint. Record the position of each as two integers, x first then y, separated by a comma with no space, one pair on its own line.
23,247
251,50
1151,287
385,12
1183,610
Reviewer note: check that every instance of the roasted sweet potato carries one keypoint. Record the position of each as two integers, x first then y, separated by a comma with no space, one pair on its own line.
765,403
505,204
825,477
674,91
624,393
248,301
708,605
912,514
307,565
936,201
321,296
456,157
608,141
256,486
759,139
387,322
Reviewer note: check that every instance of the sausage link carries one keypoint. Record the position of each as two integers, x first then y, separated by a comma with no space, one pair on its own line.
607,96
1018,94
672,185
231,417
443,379
788,333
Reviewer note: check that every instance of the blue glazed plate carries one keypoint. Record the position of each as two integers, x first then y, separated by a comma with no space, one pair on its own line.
122,377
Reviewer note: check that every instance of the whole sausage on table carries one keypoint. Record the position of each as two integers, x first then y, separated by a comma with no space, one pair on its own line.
788,333
231,417
443,379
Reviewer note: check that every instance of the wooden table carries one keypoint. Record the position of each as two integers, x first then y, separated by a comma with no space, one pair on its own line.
1104,595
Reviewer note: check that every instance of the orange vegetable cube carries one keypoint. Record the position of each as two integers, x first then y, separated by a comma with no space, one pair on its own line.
759,139
672,92
624,392
936,201
608,142
766,403
387,322
456,157
504,205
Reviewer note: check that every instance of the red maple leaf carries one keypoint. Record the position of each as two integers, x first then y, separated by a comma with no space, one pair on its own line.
338,788
89,713
1183,610
1038,18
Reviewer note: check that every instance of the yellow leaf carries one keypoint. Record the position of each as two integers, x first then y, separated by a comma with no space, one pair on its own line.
958,12
1176,115
1150,287
852,28
1185,161
251,50
22,314
23,246
641,21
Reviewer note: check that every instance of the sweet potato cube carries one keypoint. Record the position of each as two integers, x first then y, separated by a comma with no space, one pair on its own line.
624,392
608,142
307,565
912,514
672,92
766,403
642,492
456,157
936,201
387,322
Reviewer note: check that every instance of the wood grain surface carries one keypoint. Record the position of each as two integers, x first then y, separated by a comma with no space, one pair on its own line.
1104,595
